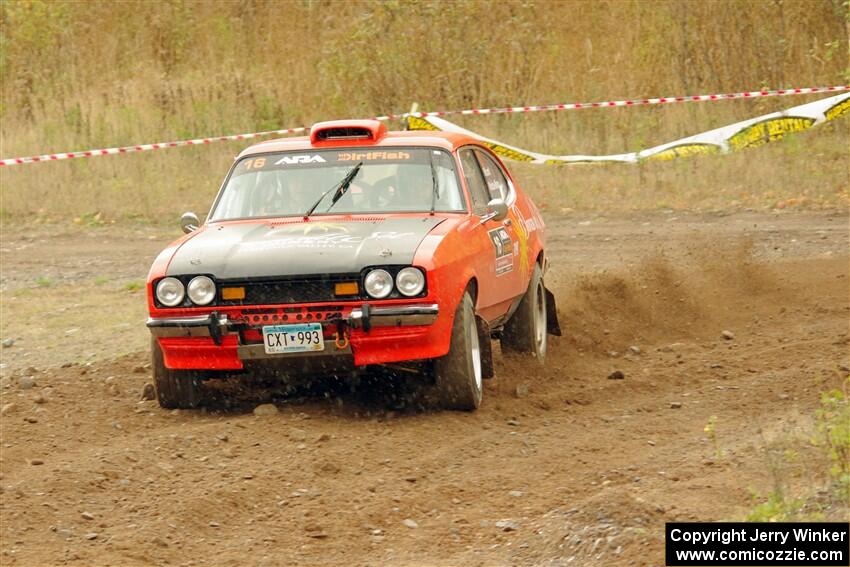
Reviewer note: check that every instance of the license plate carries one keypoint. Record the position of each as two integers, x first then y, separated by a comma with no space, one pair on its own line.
281,339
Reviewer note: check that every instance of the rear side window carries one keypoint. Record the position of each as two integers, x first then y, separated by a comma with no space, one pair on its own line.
497,185
474,180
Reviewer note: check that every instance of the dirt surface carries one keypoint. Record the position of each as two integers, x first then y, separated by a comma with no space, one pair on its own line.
561,466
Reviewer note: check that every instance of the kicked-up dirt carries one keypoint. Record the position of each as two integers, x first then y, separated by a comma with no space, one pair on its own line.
726,329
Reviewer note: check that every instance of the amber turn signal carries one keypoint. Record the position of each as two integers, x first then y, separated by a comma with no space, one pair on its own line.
232,293
346,288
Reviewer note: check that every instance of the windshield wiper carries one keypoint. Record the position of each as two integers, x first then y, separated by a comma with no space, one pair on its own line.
435,188
340,187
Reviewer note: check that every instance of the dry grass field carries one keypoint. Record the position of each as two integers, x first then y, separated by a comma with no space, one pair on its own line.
79,75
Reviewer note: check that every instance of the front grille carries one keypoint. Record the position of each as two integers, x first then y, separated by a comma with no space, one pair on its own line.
296,290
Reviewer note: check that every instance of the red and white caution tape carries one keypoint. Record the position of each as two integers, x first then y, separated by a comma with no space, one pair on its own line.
512,109
634,102
147,147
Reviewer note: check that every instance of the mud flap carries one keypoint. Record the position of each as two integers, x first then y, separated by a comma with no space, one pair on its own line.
486,346
552,325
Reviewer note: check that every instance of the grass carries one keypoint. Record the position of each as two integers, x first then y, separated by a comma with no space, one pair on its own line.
821,463
172,69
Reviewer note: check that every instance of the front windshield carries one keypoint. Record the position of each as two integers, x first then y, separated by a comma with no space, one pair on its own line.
390,180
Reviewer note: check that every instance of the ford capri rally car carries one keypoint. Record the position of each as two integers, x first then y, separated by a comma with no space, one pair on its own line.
351,248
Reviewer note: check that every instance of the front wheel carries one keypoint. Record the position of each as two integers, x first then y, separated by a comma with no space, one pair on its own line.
175,389
525,331
458,374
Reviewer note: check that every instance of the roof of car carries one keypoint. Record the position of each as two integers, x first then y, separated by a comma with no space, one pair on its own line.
423,138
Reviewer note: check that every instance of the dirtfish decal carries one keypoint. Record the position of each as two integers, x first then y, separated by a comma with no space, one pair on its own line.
370,156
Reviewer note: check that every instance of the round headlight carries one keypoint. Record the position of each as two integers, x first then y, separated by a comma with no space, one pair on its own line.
170,292
379,283
410,282
201,290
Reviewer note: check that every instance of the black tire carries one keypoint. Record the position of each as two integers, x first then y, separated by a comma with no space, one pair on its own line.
525,332
175,389
457,375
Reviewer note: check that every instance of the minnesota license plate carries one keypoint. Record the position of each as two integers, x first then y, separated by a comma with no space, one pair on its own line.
281,339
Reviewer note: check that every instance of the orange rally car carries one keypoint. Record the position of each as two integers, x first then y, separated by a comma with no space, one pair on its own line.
351,248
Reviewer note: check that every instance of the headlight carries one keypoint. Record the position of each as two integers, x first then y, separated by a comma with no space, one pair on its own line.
410,282
170,292
379,283
201,290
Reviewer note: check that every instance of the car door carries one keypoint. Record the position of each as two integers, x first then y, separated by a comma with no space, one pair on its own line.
496,258
498,187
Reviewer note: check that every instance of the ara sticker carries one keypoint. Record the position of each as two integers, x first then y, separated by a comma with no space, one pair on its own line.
300,159
504,249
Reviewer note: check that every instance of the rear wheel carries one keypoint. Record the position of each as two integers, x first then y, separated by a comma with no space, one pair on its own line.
525,331
174,388
458,374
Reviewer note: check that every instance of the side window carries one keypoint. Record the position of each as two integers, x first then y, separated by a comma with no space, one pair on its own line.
474,180
497,185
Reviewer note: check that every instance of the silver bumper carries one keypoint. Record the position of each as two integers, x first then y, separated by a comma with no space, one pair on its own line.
198,326
403,316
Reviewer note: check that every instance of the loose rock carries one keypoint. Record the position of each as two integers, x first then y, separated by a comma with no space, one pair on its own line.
36,462
315,532
515,493
616,375
8,408
522,391
8,342
675,405
148,392
298,435
87,516
265,409
507,525
410,523
727,335
26,382
634,349
92,535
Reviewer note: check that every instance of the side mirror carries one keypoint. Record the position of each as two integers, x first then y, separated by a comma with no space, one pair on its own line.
189,222
497,210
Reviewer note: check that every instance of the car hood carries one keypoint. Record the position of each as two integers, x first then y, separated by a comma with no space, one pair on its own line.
262,249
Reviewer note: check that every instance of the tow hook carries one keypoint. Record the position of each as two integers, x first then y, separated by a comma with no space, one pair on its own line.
340,337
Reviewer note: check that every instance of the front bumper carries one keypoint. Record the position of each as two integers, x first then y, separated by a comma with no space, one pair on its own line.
369,334
216,325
